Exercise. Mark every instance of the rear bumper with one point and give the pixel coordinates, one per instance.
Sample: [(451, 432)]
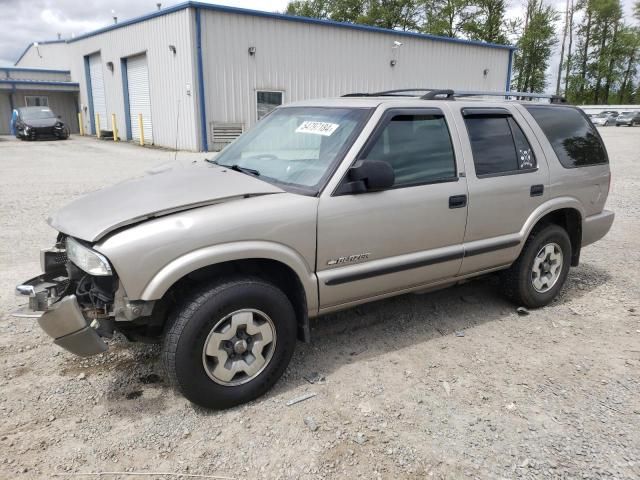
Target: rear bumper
[(596, 226)]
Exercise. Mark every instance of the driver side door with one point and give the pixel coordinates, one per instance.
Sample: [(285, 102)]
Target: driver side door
[(375, 244)]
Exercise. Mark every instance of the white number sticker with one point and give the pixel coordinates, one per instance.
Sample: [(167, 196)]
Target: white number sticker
[(317, 128)]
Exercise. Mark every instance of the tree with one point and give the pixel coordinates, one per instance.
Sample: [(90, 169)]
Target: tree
[(394, 14), (488, 24), (568, 63), (308, 8), (535, 46), (564, 39), (446, 17)]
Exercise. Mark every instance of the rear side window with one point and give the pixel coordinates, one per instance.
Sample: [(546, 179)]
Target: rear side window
[(573, 138), (418, 148), (498, 144)]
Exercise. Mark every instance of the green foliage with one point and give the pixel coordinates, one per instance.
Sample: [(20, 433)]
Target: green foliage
[(605, 68), (535, 45)]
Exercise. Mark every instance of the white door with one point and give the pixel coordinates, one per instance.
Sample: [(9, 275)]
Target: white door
[(97, 91), (139, 98)]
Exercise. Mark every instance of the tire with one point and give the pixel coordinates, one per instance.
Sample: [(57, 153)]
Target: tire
[(197, 324), (518, 280)]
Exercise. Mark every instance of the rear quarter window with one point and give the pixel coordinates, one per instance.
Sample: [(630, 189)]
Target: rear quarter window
[(573, 138)]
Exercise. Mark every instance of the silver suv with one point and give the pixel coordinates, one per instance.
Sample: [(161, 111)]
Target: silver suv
[(323, 205)]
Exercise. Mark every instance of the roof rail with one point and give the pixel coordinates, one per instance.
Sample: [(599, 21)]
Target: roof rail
[(449, 94), (433, 93)]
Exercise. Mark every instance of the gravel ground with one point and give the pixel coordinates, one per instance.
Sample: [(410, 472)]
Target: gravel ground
[(398, 392)]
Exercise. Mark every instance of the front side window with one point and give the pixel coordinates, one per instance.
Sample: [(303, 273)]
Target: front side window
[(298, 146), (573, 138), (267, 101), (418, 148), (498, 144)]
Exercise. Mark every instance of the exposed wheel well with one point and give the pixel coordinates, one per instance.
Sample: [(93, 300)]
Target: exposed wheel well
[(571, 220), (269, 270)]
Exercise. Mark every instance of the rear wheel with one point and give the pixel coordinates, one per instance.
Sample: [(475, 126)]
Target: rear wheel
[(540, 271), (230, 342)]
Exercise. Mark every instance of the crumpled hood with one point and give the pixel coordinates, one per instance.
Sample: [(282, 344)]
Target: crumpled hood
[(93, 216)]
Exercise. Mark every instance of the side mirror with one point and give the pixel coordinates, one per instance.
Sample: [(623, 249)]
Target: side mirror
[(368, 176)]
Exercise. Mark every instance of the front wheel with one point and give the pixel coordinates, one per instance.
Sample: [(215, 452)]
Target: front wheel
[(230, 342), (539, 273)]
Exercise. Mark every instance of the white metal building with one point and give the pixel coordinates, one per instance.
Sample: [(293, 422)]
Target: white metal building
[(200, 74)]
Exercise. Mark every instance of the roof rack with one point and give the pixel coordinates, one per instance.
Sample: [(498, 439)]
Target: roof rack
[(434, 93)]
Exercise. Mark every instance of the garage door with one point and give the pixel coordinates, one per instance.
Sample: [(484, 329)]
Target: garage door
[(139, 98), (97, 91), (5, 114)]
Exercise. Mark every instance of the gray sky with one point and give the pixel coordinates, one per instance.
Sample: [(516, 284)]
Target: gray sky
[(26, 21)]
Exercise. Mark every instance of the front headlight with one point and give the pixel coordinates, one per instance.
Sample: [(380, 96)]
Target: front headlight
[(86, 259)]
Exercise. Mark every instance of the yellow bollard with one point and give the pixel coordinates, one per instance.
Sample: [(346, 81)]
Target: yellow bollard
[(141, 129), (114, 127), (80, 124), (98, 125)]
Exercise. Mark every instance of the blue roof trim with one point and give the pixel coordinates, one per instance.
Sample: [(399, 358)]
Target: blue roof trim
[(282, 16), (37, 70), (40, 82), (45, 42)]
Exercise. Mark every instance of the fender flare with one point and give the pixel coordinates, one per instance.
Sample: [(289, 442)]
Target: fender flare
[(546, 208), (227, 252)]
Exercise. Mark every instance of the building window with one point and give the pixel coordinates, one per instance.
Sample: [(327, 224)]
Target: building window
[(36, 101), (267, 101)]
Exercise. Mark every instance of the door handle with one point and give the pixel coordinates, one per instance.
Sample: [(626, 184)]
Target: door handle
[(537, 190), (458, 201)]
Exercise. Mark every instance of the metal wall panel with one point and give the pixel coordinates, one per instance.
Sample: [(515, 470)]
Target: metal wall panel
[(139, 98), (311, 61), (172, 81), (34, 74), (52, 55), (97, 92)]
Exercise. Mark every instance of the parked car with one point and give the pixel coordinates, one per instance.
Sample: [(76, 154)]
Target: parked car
[(323, 205), (628, 118), (39, 122), (605, 119)]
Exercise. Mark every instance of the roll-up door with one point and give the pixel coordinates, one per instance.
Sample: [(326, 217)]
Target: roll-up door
[(139, 98), (97, 91)]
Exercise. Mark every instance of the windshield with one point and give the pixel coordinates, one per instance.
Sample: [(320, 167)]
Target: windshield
[(36, 113), (602, 115), (296, 145)]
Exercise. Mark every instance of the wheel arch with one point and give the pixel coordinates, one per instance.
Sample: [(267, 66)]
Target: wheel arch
[(566, 212), (272, 262)]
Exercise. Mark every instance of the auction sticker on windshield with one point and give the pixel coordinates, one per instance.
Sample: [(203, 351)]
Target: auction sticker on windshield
[(317, 128)]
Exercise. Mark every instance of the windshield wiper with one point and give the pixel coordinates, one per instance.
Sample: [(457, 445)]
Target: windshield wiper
[(235, 167), (251, 171)]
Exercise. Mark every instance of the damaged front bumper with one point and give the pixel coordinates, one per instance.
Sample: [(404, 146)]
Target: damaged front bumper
[(59, 314)]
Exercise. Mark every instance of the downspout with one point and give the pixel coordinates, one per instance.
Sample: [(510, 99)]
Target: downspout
[(203, 112)]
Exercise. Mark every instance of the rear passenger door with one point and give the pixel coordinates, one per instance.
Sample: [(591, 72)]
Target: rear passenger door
[(507, 177), (375, 243)]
